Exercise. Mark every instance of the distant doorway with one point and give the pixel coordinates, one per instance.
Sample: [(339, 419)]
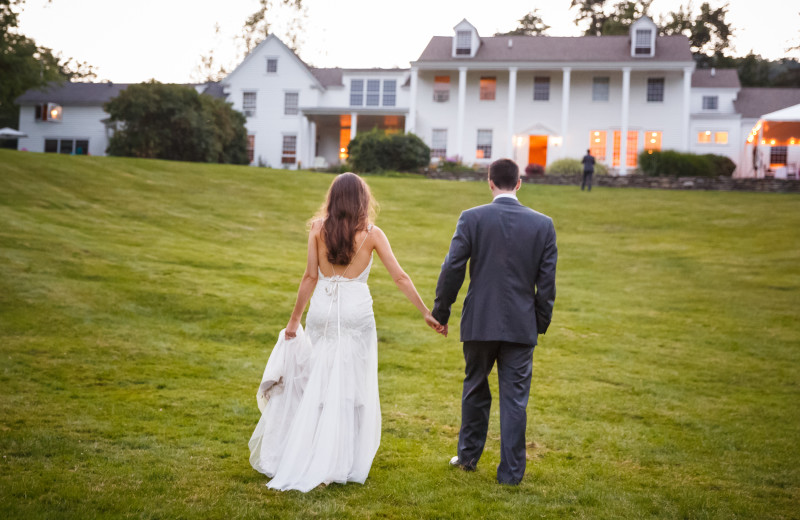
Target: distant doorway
[(537, 150)]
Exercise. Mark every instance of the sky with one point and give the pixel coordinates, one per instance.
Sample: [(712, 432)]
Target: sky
[(129, 41)]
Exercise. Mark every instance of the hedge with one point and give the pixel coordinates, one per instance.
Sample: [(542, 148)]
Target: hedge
[(678, 164)]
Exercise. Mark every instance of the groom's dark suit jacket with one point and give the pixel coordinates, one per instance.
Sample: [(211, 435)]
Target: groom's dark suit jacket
[(512, 255)]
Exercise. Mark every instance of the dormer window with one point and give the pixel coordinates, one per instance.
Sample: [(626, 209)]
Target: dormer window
[(643, 45), (463, 43)]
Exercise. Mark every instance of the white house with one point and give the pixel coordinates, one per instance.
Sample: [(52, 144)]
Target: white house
[(470, 98)]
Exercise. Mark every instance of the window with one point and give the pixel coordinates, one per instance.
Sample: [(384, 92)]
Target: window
[(630, 152), (597, 144), (67, 146), (652, 142), (600, 88), (721, 137), (48, 112), (441, 89), (541, 88), (389, 92), (642, 46), (484, 148), (655, 90), (704, 137), (710, 102), (439, 143), (290, 102), (488, 88), (463, 43), (356, 92), (249, 103), (272, 65), (777, 155), (251, 147), (289, 151), (373, 92)]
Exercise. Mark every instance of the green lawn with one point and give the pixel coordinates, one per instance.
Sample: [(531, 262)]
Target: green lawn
[(139, 301)]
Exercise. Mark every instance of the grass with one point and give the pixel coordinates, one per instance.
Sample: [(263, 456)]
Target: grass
[(139, 301)]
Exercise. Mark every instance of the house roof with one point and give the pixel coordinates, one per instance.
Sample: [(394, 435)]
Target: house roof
[(757, 101), (90, 94), (558, 49), (331, 77), (716, 78)]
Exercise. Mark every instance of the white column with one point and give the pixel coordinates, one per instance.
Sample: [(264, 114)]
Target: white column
[(687, 90), (512, 102), (300, 152), (312, 143), (353, 125), (565, 109), (623, 138), (462, 102), (411, 120)]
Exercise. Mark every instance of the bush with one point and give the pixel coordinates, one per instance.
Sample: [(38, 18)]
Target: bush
[(534, 169), (375, 152), (565, 167), (678, 164)]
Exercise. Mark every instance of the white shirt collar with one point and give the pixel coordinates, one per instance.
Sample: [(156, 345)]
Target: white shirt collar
[(511, 195)]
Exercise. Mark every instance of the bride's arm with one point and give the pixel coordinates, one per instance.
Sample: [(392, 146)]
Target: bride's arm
[(401, 279), (307, 284)]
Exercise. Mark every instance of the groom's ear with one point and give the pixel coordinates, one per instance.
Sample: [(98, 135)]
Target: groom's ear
[(491, 185), (519, 183)]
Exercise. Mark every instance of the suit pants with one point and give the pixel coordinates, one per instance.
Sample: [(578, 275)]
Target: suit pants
[(587, 180), (514, 368)]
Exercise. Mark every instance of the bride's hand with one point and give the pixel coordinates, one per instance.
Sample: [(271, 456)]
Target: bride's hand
[(433, 323), (291, 329)]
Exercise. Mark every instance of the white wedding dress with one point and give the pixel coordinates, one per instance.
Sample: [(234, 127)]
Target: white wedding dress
[(320, 412)]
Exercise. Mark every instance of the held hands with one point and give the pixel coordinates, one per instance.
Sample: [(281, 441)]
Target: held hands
[(434, 324)]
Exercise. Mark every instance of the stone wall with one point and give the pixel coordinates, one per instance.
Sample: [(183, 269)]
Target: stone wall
[(641, 181)]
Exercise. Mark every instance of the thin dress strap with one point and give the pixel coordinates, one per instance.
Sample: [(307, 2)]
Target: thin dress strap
[(369, 228)]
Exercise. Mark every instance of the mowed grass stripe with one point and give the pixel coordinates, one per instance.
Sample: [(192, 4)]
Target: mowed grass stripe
[(139, 301)]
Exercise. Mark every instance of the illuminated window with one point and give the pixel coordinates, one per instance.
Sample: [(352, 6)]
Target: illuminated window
[(441, 89), (356, 92), (631, 151), (652, 142), (439, 143), (488, 88), (721, 137), (272, 65), (655, 90), (642, 46), (600, 88), (597, 144), (344, 136), (251, 147), (289, 150), (541, 88), (710, 102), (463, 43), (389, 92), (484, 148), (290, 102), (704, 137)]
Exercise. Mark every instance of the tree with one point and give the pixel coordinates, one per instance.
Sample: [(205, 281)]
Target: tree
[(591, 11), (259, 24), (162, 121), (605, 23), (25, 65), (529, 25), (708, 32)]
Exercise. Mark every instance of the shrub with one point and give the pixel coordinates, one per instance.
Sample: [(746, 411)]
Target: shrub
[(565, 167), (534, 169), (677, 164), (453, 165), (375, 152)]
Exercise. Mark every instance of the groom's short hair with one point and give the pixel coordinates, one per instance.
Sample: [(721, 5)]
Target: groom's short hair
[(504, 173)]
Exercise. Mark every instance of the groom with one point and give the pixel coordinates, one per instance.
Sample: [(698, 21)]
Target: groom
[(511, 251)]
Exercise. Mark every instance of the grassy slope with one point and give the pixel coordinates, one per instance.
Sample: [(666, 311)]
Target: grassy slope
[(139, 301)]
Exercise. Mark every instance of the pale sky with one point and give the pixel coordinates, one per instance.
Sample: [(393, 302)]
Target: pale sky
[(130, 41)]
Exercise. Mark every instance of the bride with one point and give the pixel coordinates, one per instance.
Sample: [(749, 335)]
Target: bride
[(321, 418)]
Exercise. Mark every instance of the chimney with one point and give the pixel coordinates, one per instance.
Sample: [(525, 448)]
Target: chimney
[(510, 43), (713, 72)]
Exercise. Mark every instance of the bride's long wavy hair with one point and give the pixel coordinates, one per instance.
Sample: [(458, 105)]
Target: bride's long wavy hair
[(348, 209)]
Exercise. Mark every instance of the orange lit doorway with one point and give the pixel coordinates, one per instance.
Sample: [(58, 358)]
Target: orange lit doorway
[(537, 150)]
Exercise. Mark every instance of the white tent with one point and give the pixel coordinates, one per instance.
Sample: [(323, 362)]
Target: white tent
[(10, 133), (773, 134)]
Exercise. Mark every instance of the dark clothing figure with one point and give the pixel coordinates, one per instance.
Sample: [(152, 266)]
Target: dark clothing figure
[(511, 252), (588, 171)]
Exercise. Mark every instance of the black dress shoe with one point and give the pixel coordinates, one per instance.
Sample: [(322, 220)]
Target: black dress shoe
[(458, 464)]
